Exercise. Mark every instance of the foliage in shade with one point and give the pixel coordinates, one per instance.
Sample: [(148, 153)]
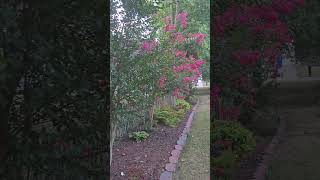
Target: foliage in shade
[(248, 38), (52, 99)]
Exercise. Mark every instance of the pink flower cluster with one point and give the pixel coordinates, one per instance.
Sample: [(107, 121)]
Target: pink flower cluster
[(246, 57), (180, 54), (199, 37), (161, 81), (187, 80), (192, 68), (169, 28), (179, 37), (176, 92), (258, 18), (270, 54), (189, 67), (182, 19), (267, 34), (148, 46)]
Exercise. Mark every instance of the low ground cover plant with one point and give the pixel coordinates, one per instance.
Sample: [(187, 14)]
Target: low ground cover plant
[(182, 104), (139, 136), (168, 116)]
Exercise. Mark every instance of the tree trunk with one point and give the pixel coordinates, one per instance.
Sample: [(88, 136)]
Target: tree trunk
[(177, 7), (151, 113), (112, 137)]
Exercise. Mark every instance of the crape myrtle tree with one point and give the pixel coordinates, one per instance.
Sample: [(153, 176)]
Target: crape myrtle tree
[(52, 105), (248, 37), (198, 22), (149, 60)]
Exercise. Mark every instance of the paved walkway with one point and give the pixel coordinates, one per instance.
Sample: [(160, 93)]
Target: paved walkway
[(194, 163), (298, 157)]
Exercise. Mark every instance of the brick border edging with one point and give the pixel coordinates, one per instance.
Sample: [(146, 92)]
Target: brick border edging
[(261, 170), (175, 153)]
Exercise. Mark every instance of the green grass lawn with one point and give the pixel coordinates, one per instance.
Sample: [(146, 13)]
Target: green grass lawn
[(194, 163)]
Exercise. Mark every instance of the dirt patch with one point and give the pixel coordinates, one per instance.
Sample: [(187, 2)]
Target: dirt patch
[(145, 160)]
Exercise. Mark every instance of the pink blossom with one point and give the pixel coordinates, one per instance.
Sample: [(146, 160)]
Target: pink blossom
[(169, 28), (242, 19), (179, 37), (180, 97), (180, 54), (145, 45), (175, 92), (161, 81), (247, 57), (148, 45), (179, 68), (199, 63), (186, 80), (199, 37), (182, 19)]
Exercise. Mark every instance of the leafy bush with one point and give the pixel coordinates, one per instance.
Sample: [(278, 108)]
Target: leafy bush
[(242, 139), (230, 142), (139, 136), (168, 116), (182, 104)]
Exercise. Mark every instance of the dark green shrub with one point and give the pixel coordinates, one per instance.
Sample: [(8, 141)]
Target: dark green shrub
[(242, 139), (139, 136), (168, 116)]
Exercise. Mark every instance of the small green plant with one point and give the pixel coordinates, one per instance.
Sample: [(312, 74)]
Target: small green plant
[(182, 104), (139, 136), (168, 116)]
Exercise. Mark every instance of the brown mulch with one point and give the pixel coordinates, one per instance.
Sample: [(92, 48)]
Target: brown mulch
[(145, 160)]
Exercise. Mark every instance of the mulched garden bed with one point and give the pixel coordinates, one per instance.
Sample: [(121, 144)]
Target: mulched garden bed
[(247, 166), (145, 160)]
